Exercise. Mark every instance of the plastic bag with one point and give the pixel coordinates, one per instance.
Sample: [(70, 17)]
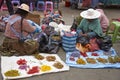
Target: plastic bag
[(48, 44), (105, 43)]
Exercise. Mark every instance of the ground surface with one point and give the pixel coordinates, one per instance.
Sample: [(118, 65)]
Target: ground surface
[(75, 73)]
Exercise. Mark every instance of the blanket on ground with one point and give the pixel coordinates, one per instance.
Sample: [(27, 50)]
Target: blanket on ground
[(15, 67), (96, 59)]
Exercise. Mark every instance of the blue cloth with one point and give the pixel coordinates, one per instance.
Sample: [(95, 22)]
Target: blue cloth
[(94, 3), (38, 28), (88, 65), (36, 31)]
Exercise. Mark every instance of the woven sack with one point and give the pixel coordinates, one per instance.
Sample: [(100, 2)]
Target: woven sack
[(69, 43)]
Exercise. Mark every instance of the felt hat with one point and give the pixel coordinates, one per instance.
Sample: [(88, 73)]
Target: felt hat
[(24, 7), (90, 14)]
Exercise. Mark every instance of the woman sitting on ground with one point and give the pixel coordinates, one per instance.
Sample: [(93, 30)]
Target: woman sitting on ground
[(90, 24), (18, 29)]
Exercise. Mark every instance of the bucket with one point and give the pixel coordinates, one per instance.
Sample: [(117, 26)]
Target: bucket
[(67, 3)]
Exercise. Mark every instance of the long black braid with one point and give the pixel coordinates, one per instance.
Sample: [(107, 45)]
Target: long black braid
[(23, 14)]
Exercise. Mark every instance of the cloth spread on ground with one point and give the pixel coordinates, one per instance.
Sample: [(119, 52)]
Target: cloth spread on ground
[(15, 67), (96, 59)]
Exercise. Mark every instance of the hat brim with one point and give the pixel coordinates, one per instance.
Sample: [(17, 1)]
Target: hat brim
[(24, 7), (24, 10), (84, 15)]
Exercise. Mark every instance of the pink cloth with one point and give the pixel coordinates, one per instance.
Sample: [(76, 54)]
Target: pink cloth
[(104, 21), (26, 28)]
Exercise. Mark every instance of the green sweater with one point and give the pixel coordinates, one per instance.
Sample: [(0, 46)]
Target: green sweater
[(91, 28)]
